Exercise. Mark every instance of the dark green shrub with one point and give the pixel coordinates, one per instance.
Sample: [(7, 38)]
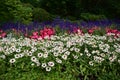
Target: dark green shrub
[(40, 14), (93, 17), (72, 18), (19, 11)]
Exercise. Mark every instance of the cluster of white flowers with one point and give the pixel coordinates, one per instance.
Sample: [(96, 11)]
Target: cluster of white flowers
[(59, 49)]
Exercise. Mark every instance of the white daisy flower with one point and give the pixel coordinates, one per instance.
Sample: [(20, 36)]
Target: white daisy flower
[(13, 49), (93, 52), (88, 54), (51, 64), (77, 50), (75, 57), (26, 51), (119, 61), (33, 58), (55, 54), (43, 49), (67, 53), (47, 45), (10, 51), (3, 56), (21, 44), (16, 56), (58, 60), (94, 46), (60, 51), (86, 50), (44, 65), (48, 68), (71, 49), (32, 50), (102, 55), (29, 54), (18, 50), (40, 55), (12, 60), (111, 59), (45, 55), (38, 64), (21, 55), (64, 57), (6, 53), (91, 63)]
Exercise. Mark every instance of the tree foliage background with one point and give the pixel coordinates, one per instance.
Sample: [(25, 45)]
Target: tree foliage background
[(29, 10)]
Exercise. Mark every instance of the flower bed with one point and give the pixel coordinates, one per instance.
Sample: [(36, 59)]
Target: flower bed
[(78, 55)]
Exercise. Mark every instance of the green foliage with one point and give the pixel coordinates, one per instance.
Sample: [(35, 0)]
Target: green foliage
[(93, 17), (40, 14), (21, 10), (72, 18), (35, 3), (14, 10), (60, 7), (109, 8), (4, 12), (20, 13)]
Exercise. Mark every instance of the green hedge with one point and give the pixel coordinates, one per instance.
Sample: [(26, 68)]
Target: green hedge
[(93, 17), (40, 14)]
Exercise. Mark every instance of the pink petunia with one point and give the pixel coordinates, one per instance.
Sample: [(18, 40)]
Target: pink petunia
[(90, 31), (3, 34), (35, 33)]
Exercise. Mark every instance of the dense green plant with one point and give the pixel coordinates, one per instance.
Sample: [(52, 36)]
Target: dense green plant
[(17, 11), (91, 17), (4, 12), (76, 7), (40, 14), (20, 13)]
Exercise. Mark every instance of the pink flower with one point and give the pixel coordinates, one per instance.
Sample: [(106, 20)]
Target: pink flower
[(114, 31), (108, 33), (26, 35), (46, 37), (3, 34), (45, 29), (44, 34), (1, 31), (78, 31), (50, 32), (35, 33), (90, 31), (41, 32), (40, 38), (75, 30), (34, 37)]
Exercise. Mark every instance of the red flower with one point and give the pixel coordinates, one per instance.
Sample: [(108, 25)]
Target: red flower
[(114, 31), (3, 34), (78, 31), (90, 31), (26, 35), (35, 33), (44, 34), (1, 31)]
